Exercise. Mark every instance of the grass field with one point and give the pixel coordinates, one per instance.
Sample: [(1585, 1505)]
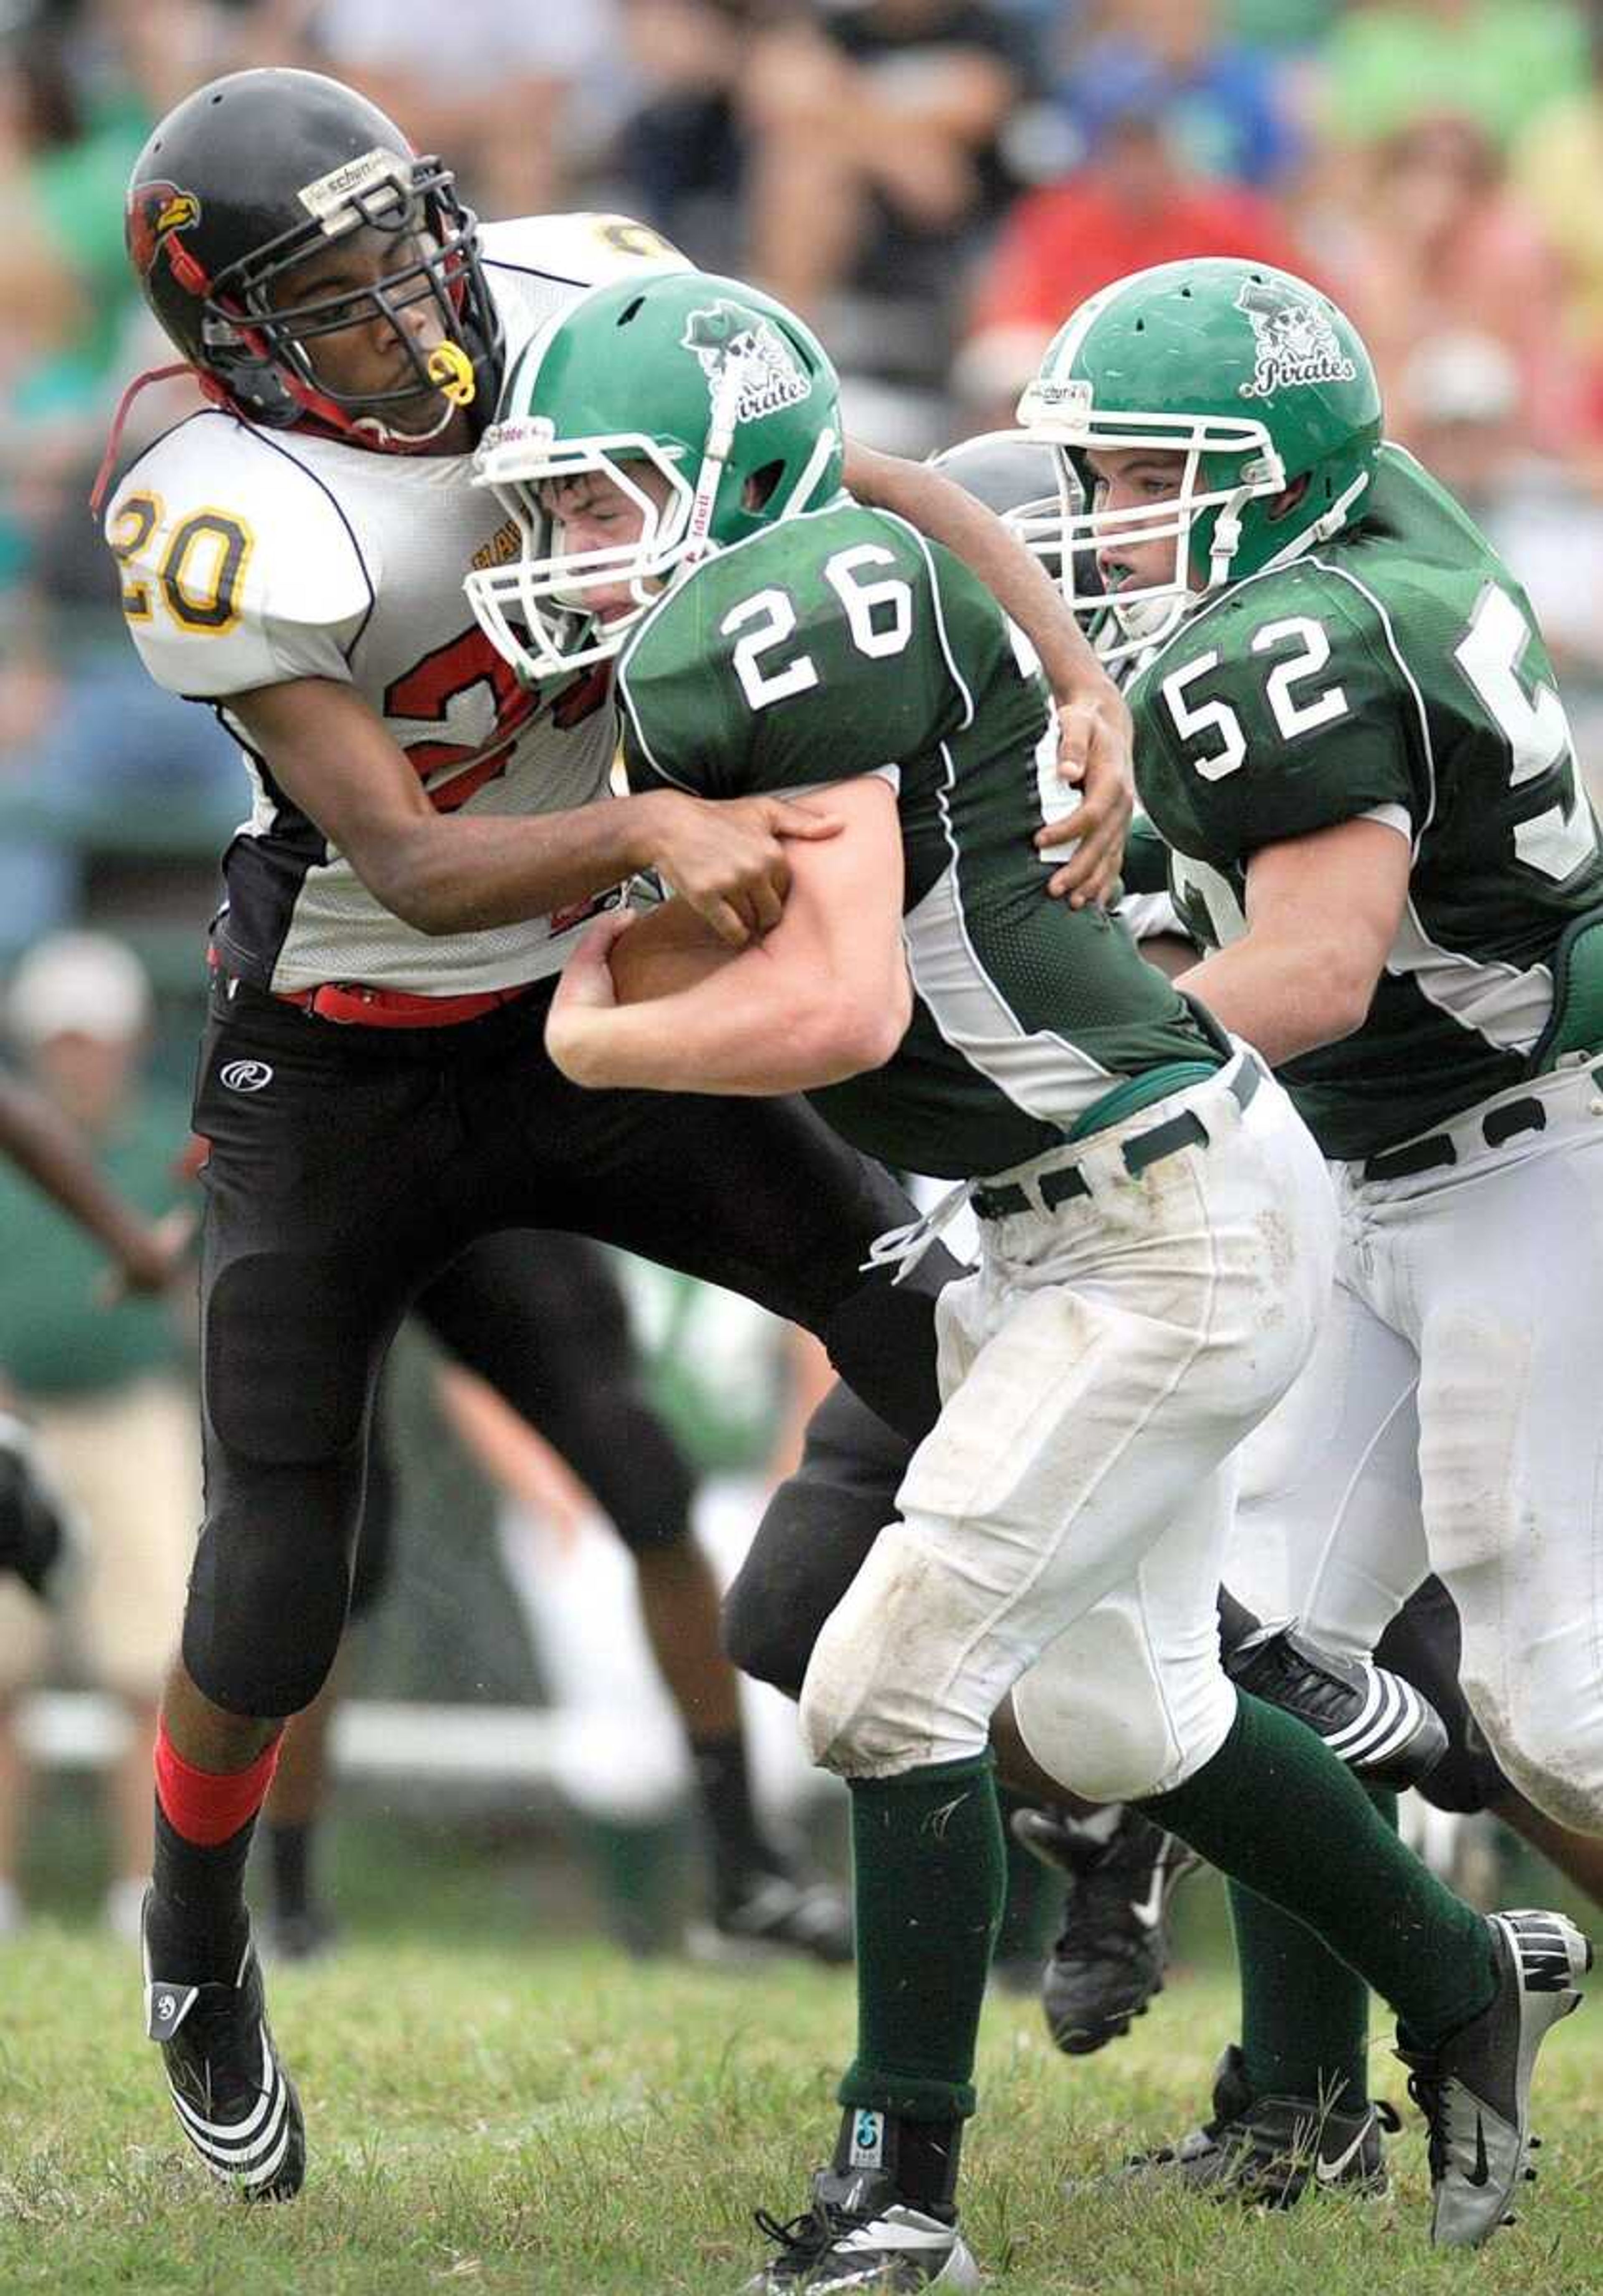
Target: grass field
[(495, 2115)]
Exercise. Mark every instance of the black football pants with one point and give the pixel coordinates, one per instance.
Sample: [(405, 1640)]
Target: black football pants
[(350, 1167)]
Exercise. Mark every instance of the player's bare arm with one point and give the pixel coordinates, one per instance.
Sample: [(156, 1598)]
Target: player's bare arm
[(1093, 723), (455, 873), (1322, 912), (41, 1141), (824, 995)]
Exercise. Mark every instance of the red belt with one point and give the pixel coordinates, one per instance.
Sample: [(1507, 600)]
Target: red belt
[(355, 1006), (351, 1006)]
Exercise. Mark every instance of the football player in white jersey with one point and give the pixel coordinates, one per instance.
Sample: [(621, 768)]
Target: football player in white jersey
[(424, 835)]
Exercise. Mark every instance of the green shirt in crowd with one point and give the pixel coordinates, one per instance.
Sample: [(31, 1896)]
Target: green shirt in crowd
[(57, 1338)]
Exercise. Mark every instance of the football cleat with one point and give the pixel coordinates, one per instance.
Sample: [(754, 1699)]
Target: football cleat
[(1380, 1725), (770, 1914), (1110, 1958), (1266, 2150), (859, 2232), (1475, 2088), (234, 2101)]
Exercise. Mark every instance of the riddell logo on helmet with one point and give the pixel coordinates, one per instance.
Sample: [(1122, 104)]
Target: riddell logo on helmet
[(1295, 342), (772, 377), (1047, 395), (154, 209)]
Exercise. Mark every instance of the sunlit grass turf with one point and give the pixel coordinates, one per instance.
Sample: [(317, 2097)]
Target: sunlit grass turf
[(553, 2119)]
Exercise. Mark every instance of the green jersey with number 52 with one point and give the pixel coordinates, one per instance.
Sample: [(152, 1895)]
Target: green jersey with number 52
[(1394, 673), (841, 644)]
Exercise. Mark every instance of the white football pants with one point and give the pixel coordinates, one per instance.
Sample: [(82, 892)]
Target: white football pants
[(1450, 1421), (1097, 1372)]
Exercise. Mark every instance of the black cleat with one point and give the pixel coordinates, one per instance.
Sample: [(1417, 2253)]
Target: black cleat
[(859, 2232), (771, 1914), (234, 2101), (1475, 2089), (1266, 2150), (1381, 1728), (1109, 1959)]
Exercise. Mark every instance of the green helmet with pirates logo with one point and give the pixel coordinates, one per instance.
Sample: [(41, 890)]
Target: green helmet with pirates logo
[(1259, 386), (688, 412)]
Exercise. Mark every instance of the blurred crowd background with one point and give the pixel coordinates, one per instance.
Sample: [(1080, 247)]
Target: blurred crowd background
[(936, 183)]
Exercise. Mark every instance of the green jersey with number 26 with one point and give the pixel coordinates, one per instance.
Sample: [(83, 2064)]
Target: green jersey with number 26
[(1396, 673), (841, 644)]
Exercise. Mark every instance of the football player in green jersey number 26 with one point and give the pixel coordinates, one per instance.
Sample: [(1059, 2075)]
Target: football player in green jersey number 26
[(1348, 734), (1157, 1228)]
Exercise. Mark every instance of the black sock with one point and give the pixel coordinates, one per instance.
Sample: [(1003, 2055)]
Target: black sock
[(197, 1925), (1236, 1621), (289, 1860), (919, 2157), (734, 1836)]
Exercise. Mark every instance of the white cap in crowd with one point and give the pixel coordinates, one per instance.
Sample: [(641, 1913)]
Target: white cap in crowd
[(82, 984), (1462, 375)]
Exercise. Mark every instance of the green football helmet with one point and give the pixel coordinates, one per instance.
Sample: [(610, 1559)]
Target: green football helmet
[(1252, 376), (712, 410)]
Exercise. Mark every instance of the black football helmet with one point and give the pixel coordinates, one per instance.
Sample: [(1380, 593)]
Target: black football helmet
[(247, 177)]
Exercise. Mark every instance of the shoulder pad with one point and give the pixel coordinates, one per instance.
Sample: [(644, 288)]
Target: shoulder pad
[(582, 250), (238, 566), (1277, 710)]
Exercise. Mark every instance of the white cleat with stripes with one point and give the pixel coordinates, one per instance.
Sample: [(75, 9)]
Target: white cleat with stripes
[(234, 2101)]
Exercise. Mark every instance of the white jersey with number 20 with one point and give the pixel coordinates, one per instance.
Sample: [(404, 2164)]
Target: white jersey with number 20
[(249, 557)]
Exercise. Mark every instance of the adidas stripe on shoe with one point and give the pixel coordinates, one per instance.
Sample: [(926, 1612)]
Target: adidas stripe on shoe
[(1373, 1720), (234, 2101)]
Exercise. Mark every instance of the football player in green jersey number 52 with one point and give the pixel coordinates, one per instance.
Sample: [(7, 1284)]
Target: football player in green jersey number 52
[(1157, 1228), (1348, 734)]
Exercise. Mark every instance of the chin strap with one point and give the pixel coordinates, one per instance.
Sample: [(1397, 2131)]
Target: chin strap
[(400, 442), (107, 461), (319, 411), (1336, 517), (1227, 536), (720, 442)]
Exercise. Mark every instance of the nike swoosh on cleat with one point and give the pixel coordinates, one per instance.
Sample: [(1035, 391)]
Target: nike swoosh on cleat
[(1148, 1910), (1481, 2174), (1330, 2172)]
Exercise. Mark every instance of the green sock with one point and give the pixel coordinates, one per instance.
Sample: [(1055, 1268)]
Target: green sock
[(1275, 1809), (928, 1873), (1304, 2014)]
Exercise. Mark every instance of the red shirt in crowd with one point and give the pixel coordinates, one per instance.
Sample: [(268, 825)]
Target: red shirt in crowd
[(1061, 244)]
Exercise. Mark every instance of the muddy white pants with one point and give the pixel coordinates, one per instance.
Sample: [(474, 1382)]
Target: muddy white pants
[(1064, 1520), (1450, 1421)]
